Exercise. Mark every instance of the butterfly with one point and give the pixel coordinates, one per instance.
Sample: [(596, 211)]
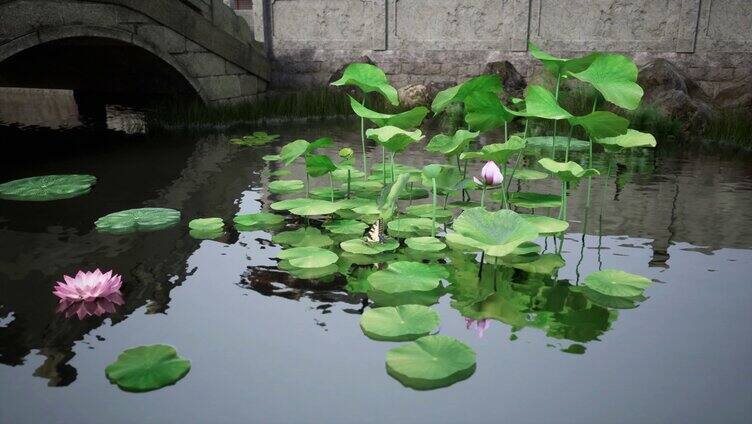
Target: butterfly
[(376, 233)]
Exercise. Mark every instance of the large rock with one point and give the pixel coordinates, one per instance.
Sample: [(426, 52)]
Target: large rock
[(513, 82), (413, 95), (737, 95), (676, 95)]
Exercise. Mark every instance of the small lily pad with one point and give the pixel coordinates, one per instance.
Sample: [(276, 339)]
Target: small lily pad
[(426, 211), (145, 368), (143, 219), (425, 244), (261, 220), (534, 200), (617, 283), (47, 187), (308, 257), (359, 246), (258, 138), (303, 237), (404, 276), (399, 323), (286, 186), (529, 174), (410, 226), (431, 362), (206, 224)]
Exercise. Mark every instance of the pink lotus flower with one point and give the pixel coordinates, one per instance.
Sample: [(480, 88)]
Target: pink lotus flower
[(87, 286), (96, 307), (481, 325), (490, 175)]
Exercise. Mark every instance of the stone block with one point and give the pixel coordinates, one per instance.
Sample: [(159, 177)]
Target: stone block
[(719, 74), (201, 64), (220, 87), (162, 37), (248, 85)]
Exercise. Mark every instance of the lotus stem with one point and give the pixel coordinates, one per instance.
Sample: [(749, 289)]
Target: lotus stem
[(411, 194), (556, 121), (433, 217), (383, 164), (482, 259), (307, 185), (363, 142), (392, 159), (524, 134), (569, 140), (516, 164), (506, 134), (331, 186), (496, 266), (504, 202), (348, 183), (482, 196)]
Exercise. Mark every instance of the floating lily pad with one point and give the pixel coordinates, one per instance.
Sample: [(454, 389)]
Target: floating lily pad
[(206, 224), (529, 174), (308, 273), (47, 187), (345, 226), (308, 257), (399, 323), (534, 200), (617, 283), (206, 234), (325, 193), (359, 246), (405, 276), (303, 237), (425, 244), (541, 264), (286, 186), (306, 207), (258, 138), (496, 233), (426, 211), (410, 226), (431, 362), (145, 368), (261, 220), (143, 219), (546, 225)]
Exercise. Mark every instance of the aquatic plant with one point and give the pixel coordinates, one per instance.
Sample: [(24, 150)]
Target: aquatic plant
[(47, 187), (258, 138), (431, 362), (87, 286), (146, 368), (142, 219), (490, 176)]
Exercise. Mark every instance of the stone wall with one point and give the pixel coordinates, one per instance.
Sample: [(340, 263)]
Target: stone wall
[(423, 41)]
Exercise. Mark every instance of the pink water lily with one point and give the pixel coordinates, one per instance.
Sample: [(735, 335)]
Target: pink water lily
[(481, 325), (96, 307), (87, 286), (490, 175)]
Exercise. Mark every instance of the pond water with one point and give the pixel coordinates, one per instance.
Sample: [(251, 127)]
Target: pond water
[(266, 347)]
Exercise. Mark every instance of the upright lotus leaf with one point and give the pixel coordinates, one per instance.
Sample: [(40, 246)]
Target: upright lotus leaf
[(399, 323), (258, 138), (47, 187), (260, 220), (431, 362), (545, 142), (566, 171), (484, 111), (145, 368), (497, 152), (541, 103), (403, 276), (405, 120), (546, 225), (388, 201), (285, 186), (345, 226), (601, 124), (458, 93), (559, 66), (447, 177), (451, 145), (631, 139), (496, 233), (615, 77), (617, 283), (394, 139), (206, 224), (318, 144), (308, 257), (303, 237), (292, 151), (143, 219), (319, 165), (369, 79)]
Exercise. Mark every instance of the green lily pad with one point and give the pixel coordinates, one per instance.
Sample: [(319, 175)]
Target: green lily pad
[(206, 234), (143, 219), (425, 244), (533, 200), (544, 142), (308, 273), (431, 362), (341, 174), (308, 257), (306, 207), (617, 283), (546, 225), (286, 186), (47, 187), (631, 139), (206, 224), (365, 186), (394, 139), (399, 323), (542, 264), (529, 174), (496, 233), (359, 246), (303, 237), (319, 165), (325, 193), (569, 171), (409, 226), (541, 103), (451, 145), (404, 276), (413, 193), (345, 226), (145, 368), (258, 138), (368, 78), (426, 211), (560, 66), (260, 220), (425, 298)]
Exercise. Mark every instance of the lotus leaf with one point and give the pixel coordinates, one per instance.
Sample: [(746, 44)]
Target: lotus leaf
[(402, 276), (303, 237), (632, 138), (258, 138), (431, 362), (559, 66), (451, 146), (425, 244), (368, 78), (497, 152), (260, 220), (394, 139), (319, 165), (409, 226), (361, 247), (286, 186), (614, 76), (601, 124), (496, 233), (308, 257), (617, 283), (458, 93), (569, 171), (206, 224), (345, 226), (542, 142), (529, 174), (484, 111), (399, 323), (47, 187), (143, 219), (405, 120), (145, 368), (546, 225)]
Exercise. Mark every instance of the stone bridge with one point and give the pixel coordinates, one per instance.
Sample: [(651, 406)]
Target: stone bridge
[(181, 47)]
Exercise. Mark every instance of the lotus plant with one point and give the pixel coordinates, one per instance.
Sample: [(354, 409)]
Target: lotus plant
[(481, 325), (89, 293), (490, 176)]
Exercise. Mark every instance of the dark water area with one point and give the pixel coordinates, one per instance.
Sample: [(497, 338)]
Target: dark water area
[(266, 347)]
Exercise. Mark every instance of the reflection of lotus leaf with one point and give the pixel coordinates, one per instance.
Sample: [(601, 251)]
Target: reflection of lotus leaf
[(532, 200), (496, 233), (145, 368), (143, 219), (544, 142), (431, 362), (399, 323), (47, 187)]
